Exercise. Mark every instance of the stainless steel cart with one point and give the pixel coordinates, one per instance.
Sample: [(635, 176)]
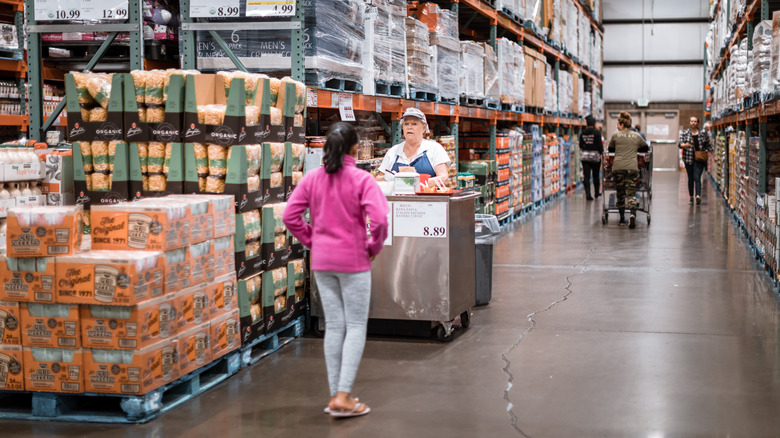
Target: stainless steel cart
[(644, 186)]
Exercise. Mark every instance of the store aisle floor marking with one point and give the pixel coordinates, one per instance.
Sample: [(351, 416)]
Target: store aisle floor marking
[(530, 316)]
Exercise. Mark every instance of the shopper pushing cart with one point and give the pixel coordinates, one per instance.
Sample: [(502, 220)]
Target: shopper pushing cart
[(624, 175)]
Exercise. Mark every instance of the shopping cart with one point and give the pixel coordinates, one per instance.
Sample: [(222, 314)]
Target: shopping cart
[(644, 185)]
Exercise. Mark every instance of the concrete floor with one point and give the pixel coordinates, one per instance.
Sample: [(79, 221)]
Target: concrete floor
[(663, 331)]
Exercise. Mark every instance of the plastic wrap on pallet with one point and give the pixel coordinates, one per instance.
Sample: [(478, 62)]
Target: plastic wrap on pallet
[(492, 89), (581, 97), (519, 73), (447, 73), (472, 63), (551, 91), (389, 34), (510, 88), (762, 59), (419, 57)]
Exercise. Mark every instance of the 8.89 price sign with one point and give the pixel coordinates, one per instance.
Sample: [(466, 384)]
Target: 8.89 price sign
[(420, 219)]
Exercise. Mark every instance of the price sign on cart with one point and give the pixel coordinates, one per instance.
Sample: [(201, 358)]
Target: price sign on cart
[(103, 9), (420, 219), (57, 10), (270, 8), (214, 8)]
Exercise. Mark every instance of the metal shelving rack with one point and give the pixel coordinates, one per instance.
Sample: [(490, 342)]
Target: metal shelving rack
[(16, 68), (133, 25)]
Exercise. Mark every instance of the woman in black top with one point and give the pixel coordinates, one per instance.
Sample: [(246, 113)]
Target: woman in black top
[(592, 148)]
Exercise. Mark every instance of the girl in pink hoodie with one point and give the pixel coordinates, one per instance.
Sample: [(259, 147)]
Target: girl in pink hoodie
[(341, 198)]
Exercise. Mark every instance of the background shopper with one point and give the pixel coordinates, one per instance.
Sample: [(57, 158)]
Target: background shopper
[(625, 144), (340, 197), (592, 149), (691, 141)]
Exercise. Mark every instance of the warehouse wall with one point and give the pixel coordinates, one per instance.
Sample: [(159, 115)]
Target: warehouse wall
[(660, 60)]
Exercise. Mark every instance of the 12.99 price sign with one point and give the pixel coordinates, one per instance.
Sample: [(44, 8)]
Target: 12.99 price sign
[(214, 8), (69, 10)]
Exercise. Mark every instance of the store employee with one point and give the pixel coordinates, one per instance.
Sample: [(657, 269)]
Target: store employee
[(427, 156)]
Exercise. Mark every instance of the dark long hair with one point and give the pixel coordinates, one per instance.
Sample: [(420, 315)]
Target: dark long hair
[(341, 137)]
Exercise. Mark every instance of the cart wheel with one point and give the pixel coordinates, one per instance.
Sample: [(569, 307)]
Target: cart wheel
[(465, 319), (441, 334), (648, 220)]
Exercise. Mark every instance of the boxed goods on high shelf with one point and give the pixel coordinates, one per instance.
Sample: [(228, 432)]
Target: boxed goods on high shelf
[(535, 71), (492, 87), (419, 58), (551, 103), (472, 61), (511, 72), (761, 80), (334, 35), (443, 38), (387, 62)]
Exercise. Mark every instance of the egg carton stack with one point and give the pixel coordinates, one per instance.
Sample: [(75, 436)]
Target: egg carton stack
[(153, 300), (21, 172)]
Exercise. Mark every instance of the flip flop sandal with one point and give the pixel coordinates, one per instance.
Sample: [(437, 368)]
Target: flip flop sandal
[(327, 408), (353, 413)]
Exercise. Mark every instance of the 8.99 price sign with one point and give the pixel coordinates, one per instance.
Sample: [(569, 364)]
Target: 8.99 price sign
[(214, 8), (420, 219)]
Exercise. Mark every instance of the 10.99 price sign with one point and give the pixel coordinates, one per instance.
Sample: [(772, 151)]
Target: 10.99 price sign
[(420, 219), (69, 10)]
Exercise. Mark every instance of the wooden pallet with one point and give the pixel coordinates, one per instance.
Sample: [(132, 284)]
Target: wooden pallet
[(269, 343)]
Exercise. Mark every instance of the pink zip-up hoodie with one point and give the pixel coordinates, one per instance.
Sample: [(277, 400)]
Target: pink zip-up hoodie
[(338, 204)]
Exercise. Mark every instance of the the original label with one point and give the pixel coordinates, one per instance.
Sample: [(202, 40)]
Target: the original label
[(420, 219), (345, 107), (214, 8), (270, 8)]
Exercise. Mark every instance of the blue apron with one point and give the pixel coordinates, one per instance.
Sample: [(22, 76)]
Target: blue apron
[(421, 164)]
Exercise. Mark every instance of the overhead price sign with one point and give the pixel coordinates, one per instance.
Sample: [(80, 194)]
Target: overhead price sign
[(270, 8), (214, 8)]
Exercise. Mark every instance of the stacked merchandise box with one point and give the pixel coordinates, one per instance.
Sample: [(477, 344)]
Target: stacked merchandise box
[(761, 80), (21, 172), (334, 36), (537, 169), (742, 187), (720, 159), (535, 66), (753, 190), (443, 36), (450, 145), (516, 179), (528, 160), (387, 44), (492, 86), (474, 159), (504, 175), (419, 58), (551, 103), (510, 71), (731, 175), (472, 61), (552, 168), (563, 169)]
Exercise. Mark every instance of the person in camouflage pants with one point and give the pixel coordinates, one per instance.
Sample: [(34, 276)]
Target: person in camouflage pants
[(625, 184)]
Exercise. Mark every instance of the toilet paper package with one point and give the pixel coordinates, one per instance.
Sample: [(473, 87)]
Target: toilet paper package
[(110, 277), (50, 325), (43, 231), (11, 368), (131, 371), (224, 333), (194, 348), (130, 327), (10, 334), (29, 279), (53, 369)]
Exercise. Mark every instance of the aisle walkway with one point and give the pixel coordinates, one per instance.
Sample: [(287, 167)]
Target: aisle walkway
[(666, 331)]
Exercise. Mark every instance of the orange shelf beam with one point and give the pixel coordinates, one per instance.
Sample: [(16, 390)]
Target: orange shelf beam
[(19, 68), (14, 120)]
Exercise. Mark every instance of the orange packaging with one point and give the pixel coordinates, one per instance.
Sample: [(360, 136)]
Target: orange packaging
[(9, 323), (27, 279), (223, 295), (150, 224), (11, 368), (224, 215), (129, 327), (43, 231), (225, 336), (224, 256), (178, 270), (202, 262), (202, 215), (50, 325), (194, 306), (121, 278), (194, 349), (131, 371), (53, 369)]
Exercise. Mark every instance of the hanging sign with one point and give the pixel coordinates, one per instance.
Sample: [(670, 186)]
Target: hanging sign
[(214, 8), (103, 10), (345, 107), (420, 219), (270, 8)]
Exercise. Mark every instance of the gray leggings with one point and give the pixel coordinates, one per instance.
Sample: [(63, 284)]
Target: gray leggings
[(345, 298)]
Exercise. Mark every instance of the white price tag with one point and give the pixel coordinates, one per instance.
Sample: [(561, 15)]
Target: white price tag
[(103, 10), (345, 107), (420, 219), (379, 105), (311, 98), (334, 100), (214, 8), (57, 10), (436, 108), (270, 8)]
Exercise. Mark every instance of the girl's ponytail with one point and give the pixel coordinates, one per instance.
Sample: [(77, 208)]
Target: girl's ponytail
[(341, 138)]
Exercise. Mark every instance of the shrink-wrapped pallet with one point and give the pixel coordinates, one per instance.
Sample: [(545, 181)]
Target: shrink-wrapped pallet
[(388, 41), (472, 56), (492, 89), (419, 57)]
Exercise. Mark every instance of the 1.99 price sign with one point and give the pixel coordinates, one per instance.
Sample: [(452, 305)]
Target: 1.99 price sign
[(420, 219), (214, 8), (270, 8)]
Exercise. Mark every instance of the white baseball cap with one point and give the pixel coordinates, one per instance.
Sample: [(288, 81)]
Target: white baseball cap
[(414, 112)]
